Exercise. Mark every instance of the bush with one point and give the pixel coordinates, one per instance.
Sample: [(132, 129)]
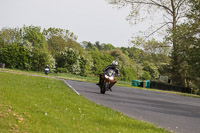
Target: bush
[(72, 61), (15, 56), (198, 93), (146, 76), (62, 70), (151, 69), (84, 66), (128, 74)]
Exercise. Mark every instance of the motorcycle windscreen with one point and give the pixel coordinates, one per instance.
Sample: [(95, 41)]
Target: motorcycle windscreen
[(110, 72)]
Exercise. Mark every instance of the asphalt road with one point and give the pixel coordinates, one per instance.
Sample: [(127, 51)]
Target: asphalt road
[(175, 113)]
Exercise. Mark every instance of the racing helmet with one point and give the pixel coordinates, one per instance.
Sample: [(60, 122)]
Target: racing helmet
[(114, 63)]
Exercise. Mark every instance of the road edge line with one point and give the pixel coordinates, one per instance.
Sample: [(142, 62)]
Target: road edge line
[(71, 87)]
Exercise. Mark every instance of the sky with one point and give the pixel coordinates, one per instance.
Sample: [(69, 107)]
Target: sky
[(90, 20)]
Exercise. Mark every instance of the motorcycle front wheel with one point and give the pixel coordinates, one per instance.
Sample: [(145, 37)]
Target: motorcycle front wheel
[(104, 87)]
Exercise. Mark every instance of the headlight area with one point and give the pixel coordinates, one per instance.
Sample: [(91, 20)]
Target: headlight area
[(111, 78), (106, 77)]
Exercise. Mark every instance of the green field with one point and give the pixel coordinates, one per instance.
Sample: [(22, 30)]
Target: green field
[(39, 104)]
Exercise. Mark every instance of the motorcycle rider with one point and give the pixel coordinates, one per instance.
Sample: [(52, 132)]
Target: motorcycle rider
[(47, 69), (47, 66), (113, 66)]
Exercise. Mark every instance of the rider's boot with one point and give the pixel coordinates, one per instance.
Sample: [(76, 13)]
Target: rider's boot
[(99, 80), (110, 89), (111, 85)]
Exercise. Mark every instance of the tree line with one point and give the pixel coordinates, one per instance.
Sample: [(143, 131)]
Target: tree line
[(31, 48)]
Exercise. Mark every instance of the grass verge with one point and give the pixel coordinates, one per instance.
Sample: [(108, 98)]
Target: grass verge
[(38, 104)]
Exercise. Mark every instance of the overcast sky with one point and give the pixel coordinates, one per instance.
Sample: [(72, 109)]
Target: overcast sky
[(90, 20)]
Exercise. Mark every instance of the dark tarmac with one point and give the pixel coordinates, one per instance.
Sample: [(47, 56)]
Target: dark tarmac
[(173, 112)]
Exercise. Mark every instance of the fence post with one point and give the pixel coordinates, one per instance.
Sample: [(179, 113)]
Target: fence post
[(143, 83)]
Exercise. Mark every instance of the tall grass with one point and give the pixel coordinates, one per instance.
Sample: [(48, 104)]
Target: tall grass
[(38, 104)]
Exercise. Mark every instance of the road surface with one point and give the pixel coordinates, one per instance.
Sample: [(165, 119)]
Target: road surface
[(173, 112)]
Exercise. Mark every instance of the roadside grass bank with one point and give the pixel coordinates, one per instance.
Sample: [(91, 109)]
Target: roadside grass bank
[(91, 79), (39, 104)]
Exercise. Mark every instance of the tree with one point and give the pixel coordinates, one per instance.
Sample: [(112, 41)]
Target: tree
[(58, 39), (98, 45), (151, 69), (15, 56), (39, 59), (193, 32), (188, 40), (34, 39), (89, 46), (100, 61), (118, 55), (146, 76), (56, 44), (172, 10), (66, 34), (24, 48), (84, 66), (128, 73), (107, 47), (10, 36), (33, 35), (69, 58)]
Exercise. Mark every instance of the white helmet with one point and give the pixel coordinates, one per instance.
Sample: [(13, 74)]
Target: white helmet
[(115, 63)]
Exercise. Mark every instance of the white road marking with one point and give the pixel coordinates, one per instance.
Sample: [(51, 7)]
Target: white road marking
[(71, 87)]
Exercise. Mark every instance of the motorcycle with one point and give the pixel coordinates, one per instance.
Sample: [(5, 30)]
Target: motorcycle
[(107, 79), (46, 71)]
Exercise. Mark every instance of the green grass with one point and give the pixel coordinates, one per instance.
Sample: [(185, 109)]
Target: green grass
[(38, 104)]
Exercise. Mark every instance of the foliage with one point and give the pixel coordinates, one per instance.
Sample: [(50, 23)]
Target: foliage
[(118, 55), (128, 74), (56, 44), (151, 69), (100, 61), (10, 36), (58, 39), (193, 38), (25, 48), (58, 48), (84, 66), (97, 46), (39, 59), (15, 56), (61, 70), (151, 58), (89, 46), (68, 58), (188, 41), (146, 76), (33, 35), (107, 47)]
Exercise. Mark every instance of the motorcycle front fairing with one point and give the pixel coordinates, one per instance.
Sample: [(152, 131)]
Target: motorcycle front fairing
[(109, 75)]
